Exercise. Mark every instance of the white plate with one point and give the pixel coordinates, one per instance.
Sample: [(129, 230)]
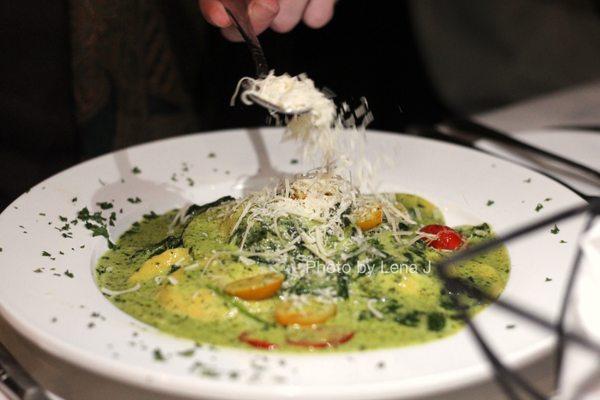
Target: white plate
[(581, 146), (55, 311), (589, 282)]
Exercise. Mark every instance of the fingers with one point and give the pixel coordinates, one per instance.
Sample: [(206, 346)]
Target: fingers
[(214, 13), (281, 15), (318, 13), (290, 14), (261, 13)]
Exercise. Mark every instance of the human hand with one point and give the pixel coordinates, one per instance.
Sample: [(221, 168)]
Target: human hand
[(280, 15)]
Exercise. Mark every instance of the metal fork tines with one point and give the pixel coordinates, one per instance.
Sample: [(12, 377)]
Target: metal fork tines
[(15, 382), (238, 12)]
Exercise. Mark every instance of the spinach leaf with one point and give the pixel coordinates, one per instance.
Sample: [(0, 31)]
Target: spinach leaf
[(412, 318), (342, 284), (172, 242), (436, 321), (196, 209)]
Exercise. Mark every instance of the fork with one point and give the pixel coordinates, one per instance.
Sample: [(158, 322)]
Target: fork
[(238, 11), (465, 125), (15, 382), (433, 132)]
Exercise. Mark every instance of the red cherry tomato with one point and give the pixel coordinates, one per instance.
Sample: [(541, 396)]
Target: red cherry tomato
[(255, 342), (319, 337), (447, 238)]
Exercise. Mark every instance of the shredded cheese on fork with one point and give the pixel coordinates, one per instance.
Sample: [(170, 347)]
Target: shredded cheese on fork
[(319, 131), (290, 93)]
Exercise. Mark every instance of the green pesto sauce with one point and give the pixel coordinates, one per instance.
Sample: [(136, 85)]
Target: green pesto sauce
[(412, 304)]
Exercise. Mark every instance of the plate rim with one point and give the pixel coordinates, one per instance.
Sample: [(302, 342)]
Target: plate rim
[(138, 375)]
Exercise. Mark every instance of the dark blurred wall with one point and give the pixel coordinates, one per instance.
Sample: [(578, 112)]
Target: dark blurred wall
[(81, 77), (37, 129), (484, 54), (365, 51), (368, 49)]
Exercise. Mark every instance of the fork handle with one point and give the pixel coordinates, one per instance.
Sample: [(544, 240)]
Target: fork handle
[(238, 11), (472, 127)]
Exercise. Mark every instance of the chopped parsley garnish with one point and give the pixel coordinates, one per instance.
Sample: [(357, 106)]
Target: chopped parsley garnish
[(96, 223), (134, 200), (187, 353), (151, 215), (294, 161), (190, 181), (538, 207), (490, 202), (563, 241), (74, 200), (136, 170), (69, 274), (548, 279), (105, 205), (158, 355), (211, 155), (46, 254), (38, 270), (510, 326), (528, 180), (234, 375), (97, 230), (554, 230), (204, 370)]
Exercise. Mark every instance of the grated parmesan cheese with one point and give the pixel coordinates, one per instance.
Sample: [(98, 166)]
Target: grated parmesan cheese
[(319, 131)]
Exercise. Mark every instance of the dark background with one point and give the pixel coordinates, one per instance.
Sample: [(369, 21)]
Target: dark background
[(369, 49), (364, 51)]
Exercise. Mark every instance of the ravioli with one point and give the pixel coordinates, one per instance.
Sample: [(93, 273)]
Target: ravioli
[(304, 268)]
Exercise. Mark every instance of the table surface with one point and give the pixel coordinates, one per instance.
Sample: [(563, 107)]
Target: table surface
[(578, 105)]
